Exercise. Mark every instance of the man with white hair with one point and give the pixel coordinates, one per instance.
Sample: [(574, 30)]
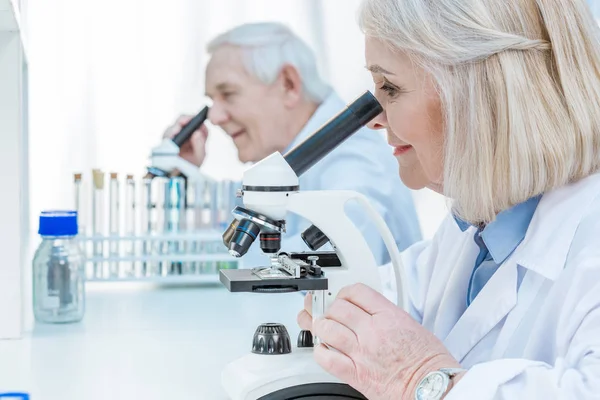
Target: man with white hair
[(268, 96)]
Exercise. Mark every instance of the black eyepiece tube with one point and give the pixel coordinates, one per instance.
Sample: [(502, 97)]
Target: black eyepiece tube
[(356, 115), (190, 127)]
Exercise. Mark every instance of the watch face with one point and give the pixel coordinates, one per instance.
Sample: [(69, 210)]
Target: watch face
[(433, 386)]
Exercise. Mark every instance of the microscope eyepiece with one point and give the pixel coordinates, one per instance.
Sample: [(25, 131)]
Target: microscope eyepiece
[(189, 128), (347, 122), (238, 238), (245, 234)]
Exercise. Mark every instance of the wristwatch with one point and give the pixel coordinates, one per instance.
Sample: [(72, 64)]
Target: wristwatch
[(436, 383)]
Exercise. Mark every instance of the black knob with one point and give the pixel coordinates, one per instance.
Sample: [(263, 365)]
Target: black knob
[(271, 339), (314, 238), (305, 339)]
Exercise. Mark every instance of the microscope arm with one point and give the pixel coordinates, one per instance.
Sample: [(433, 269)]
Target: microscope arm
[(326, 210)]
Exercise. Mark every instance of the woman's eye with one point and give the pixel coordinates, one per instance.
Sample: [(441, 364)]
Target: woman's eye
[(390, 90)]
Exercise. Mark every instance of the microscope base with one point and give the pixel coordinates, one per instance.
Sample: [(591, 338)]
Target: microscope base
[(282, 377)]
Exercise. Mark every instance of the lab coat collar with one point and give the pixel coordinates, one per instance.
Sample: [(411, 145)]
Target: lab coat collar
[(507, 231), (546, 245), (331, 105)]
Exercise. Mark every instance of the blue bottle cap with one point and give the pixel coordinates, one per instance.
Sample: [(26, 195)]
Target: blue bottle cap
[(58, 223)]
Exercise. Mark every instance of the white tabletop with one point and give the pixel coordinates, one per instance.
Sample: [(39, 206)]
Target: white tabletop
[(149, 344)]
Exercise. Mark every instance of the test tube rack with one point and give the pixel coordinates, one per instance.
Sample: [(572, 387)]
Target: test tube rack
[(160, 229), (168, 257)]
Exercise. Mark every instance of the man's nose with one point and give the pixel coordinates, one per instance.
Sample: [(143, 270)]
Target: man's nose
[(217, 114)]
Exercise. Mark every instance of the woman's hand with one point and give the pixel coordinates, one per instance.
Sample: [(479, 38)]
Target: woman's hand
[(373, 345)]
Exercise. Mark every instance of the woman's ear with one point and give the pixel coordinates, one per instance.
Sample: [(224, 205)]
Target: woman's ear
[(291, 85)]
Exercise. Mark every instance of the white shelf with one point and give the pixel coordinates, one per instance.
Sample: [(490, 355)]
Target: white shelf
[(13, 160)]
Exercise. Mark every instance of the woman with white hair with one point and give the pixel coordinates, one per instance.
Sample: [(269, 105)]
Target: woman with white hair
[(496, 105)]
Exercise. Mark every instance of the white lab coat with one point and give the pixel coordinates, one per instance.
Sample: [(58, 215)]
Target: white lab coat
[(363, 163), (533, 332)]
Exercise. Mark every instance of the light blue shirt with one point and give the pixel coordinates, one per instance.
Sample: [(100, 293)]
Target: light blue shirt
[(497, 241), (363, 163)]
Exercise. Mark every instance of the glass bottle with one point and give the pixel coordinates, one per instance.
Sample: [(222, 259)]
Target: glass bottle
[(58, 270)]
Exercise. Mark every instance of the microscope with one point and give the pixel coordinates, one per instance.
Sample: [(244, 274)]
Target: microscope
[(276, 370), (164, 158)]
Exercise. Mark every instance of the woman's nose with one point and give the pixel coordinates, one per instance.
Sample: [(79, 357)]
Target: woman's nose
[(379, 122)]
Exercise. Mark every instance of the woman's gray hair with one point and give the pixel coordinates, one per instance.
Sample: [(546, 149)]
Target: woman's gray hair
[(519, 81), (267, 48)]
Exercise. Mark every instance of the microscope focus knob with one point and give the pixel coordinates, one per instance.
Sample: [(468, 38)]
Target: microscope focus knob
[(271, 339), (314, 238), (305, 339)]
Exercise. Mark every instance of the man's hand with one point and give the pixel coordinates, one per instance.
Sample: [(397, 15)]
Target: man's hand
[(193, 150)]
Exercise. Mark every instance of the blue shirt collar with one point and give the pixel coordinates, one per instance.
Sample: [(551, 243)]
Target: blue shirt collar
[(507, 231)]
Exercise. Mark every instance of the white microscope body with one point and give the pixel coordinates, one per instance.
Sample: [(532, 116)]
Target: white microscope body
[(164, 158), (270, 189)]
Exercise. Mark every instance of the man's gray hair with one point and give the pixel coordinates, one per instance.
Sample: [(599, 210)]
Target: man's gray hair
[(267, 47)]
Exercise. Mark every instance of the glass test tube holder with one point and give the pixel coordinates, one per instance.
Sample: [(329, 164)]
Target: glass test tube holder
[(179, 235)]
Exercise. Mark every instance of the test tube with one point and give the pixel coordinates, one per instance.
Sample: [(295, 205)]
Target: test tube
[(221, 202), (113, 217), (174, 219), (80, 203), (213, 207), (146, 223), (160, 189), (130, 210), (193, 205), (204, 219), (220, 222), (80, 207), (98, 220)]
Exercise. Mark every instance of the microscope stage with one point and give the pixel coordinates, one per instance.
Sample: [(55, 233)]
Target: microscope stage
[(243, 280)]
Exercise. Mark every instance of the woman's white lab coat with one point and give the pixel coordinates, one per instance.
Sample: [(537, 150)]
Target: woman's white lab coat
[(533, 332)]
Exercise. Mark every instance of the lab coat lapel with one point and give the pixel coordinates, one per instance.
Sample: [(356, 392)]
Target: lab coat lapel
[(448, 308), (490, 307), (530, 287)]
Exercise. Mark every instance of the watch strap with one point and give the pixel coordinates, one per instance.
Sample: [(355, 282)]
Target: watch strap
[(452, 372)]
